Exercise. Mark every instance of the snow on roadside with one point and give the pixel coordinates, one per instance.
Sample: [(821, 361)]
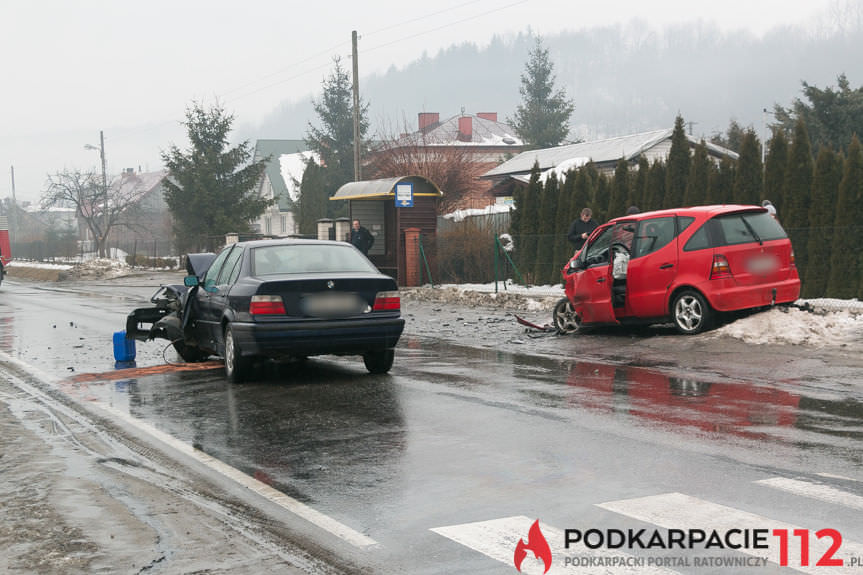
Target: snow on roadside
[(98, 268), (796, 326), (816, 322), (821, 322)]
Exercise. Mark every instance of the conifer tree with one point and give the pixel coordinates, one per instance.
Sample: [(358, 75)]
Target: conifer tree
[(748, 177), (775, 165), (845, 265), (593, 177), (515, 215), (713, 184), (333, 141), (638, 190), (677, 168), (619, 190), (542, 118), (722, 186), (798, 187), (529, 224), (599, 205), (562, 247), (581, 193), (699, 173), (211, 189), (825, 184), (313, 202), (655, 192), (546, 232)]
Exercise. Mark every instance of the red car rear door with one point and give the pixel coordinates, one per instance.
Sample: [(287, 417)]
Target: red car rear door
[(652, 267)]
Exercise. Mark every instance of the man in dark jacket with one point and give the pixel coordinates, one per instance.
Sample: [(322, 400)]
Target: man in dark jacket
[(361, 238), (579, 230)]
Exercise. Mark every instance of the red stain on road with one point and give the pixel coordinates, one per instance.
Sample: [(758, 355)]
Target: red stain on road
[(144, 371)]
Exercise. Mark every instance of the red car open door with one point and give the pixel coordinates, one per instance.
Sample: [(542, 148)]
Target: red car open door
[(592, 284)]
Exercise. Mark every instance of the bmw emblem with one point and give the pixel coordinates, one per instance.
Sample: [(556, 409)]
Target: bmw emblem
[(331, 284)]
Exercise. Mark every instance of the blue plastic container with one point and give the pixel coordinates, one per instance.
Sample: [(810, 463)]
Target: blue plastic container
[(124, 349)]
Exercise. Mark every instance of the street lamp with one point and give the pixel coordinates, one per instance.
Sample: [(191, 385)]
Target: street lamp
[(101, 149), (764, 112)]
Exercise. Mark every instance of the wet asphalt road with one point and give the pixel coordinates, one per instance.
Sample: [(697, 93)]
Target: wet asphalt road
[(542, 427)]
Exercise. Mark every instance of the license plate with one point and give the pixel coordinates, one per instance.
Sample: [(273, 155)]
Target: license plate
[(332, 304), (763, 265)]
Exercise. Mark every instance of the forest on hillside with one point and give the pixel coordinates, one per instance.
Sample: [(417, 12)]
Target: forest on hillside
[(623, 79)]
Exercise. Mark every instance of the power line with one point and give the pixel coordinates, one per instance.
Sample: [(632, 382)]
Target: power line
[(441, 27), (328, 51)]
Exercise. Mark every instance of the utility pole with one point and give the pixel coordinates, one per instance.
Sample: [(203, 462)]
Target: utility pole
[(105, 189), (14, 211), (101, 149), (357, 171)]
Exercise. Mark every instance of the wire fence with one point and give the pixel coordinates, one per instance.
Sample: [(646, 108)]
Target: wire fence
[(133, 252), (470, 253)]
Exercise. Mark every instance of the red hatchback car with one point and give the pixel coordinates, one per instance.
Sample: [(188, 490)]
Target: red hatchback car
[(682, 264)]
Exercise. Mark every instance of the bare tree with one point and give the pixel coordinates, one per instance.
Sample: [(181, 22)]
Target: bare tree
[(100, 211), (453, 168)]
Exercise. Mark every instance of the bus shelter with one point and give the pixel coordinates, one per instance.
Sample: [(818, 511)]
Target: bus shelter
[(401, 214)]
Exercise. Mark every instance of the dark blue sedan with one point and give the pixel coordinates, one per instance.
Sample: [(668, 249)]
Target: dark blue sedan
[(283, 299)]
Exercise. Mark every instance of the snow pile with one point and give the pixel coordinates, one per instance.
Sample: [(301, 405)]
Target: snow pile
[(817, 322), (459, 215), (99, 268), (789, 325), (459, 296), (39, 265)]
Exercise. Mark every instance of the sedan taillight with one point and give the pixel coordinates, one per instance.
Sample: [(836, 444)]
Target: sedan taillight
[(387, 301), (266, 305), (720, 268)]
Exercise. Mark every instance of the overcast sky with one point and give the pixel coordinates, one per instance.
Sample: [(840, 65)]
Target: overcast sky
[(74, 67)]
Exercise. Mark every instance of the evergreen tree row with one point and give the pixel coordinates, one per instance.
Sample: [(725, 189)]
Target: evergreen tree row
[(819, 199)]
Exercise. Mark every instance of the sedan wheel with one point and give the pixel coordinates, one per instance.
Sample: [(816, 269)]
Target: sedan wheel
[(379, 361), (236, 366), (691, 313), (564, 317)]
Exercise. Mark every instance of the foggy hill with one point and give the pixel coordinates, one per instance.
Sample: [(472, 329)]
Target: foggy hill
[(623, 79)]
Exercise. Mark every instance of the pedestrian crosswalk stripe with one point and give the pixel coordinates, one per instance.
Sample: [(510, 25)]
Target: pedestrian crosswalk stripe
[(680, 511), (815, 491), (498, 539), (834, 476)]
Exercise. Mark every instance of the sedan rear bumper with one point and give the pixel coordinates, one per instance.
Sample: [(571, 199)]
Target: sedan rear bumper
[(304, 338)]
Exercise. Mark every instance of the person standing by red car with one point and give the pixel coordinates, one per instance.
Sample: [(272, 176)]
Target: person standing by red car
[(580, 229)]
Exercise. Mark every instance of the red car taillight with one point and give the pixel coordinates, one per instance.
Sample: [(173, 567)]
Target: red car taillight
[(387, 301), (266, 305), (793, 261), (720, 268)]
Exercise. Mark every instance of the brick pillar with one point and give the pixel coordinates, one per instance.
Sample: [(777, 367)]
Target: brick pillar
[(412, 257)]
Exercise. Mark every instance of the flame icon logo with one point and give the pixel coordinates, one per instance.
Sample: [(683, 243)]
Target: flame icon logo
[(535, 542)]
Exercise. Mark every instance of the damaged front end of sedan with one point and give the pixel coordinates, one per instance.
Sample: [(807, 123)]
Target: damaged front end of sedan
[(168, 316)]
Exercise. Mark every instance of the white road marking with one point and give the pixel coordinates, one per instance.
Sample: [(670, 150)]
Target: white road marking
[(834, 476), (498, 539), (814, 491), (317, 518), (679, 511)]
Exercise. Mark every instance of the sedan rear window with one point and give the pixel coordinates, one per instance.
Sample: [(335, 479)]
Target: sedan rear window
[(308, 258)]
